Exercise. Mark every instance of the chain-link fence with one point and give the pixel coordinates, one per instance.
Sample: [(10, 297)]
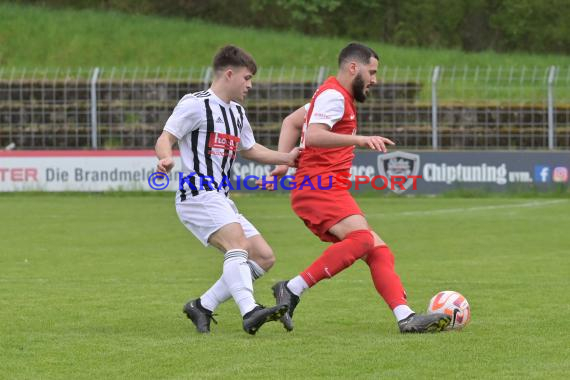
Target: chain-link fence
[(420, 108)]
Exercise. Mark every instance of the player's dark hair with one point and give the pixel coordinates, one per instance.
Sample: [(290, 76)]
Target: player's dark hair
[(231, 55), (359, 52)]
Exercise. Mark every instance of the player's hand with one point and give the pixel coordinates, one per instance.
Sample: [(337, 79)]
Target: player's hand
[(165, 165), (375, 143), (275, 174), (279, 171), (268, 183), (293, 157)]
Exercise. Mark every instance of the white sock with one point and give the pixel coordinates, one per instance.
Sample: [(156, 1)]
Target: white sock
[(297, 285), (237, 277), (219, 292), (216, 295), (402, 312)]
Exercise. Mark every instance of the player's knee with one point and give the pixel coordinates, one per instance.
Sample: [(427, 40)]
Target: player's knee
[(364, 239)]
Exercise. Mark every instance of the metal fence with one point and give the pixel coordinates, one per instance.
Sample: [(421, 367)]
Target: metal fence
[(420, 108)]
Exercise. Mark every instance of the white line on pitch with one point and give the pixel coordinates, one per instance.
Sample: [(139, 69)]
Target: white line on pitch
[(479, 208), (444, 211)]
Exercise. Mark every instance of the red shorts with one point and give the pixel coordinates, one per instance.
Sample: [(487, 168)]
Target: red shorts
[(322, 209)]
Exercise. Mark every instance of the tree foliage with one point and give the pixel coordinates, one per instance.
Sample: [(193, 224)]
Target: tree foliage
[(472, 25)]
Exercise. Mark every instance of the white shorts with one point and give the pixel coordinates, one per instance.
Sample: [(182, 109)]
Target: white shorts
[(209, 211)]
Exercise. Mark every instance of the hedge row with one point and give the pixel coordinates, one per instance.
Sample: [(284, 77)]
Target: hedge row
[(472, 25)]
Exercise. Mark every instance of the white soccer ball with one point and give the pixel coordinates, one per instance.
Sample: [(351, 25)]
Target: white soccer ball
[(453, 304)]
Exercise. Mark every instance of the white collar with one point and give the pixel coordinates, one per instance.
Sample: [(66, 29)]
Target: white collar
[(217, 98)]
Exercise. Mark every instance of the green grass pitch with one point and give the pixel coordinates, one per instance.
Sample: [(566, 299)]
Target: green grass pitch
[(92, 286)]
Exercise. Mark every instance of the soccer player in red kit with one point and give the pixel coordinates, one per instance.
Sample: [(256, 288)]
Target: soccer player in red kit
[(328, 138)]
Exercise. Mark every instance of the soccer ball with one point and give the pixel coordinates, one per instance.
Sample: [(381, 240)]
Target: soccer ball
[(453, 304)]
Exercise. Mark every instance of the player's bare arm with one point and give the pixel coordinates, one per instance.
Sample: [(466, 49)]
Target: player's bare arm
[(263, 155), (291, 129), (320, 136), (163, 150)]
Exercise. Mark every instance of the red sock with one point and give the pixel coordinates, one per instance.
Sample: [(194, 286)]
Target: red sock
[(381, 262), (339, 256)]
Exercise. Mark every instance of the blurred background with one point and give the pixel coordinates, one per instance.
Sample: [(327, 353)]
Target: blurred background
[(454, 75)]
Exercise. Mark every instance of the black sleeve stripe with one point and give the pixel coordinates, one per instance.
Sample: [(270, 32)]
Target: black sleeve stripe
[(240, 124), (225, 174), (195, 135), (207, 155), (236, 133)]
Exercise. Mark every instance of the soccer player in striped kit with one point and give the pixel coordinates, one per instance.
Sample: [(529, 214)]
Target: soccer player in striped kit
[(210, 128), (327, 128)]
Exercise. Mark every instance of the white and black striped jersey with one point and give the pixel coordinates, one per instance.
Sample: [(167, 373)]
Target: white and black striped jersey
[(209, 133)]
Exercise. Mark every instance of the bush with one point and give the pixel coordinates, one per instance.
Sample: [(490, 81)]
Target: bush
[(472, 25)]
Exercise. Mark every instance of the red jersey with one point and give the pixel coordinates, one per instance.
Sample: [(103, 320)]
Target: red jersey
[(334, 106)]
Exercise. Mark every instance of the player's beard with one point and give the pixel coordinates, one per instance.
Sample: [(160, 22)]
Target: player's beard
[(358, 88)]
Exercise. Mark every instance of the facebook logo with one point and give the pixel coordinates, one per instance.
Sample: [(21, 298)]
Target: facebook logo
[(542, 173)]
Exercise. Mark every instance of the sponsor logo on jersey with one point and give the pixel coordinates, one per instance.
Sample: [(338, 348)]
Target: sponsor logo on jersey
[(223, 141)]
